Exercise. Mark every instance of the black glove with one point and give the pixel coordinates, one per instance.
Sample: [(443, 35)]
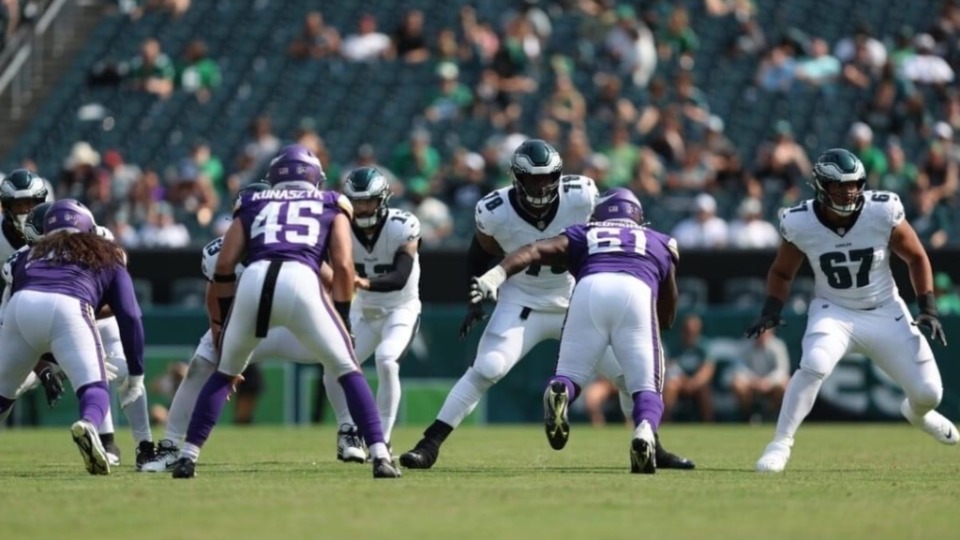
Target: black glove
[(475, 314), (769, 318), (929, 318), (52, 386)]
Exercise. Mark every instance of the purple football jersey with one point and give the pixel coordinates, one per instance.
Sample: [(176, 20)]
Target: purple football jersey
[(619, 247), (288, 225), (112, 287)]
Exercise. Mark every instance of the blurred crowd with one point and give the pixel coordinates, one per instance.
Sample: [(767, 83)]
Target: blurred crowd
[(621, 102), (14, 14)]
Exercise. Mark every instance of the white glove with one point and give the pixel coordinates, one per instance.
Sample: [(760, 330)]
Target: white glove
[(112, 371), (130, 390), (485, 287)]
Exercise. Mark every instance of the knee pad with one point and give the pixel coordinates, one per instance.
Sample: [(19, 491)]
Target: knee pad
[(491, 366)]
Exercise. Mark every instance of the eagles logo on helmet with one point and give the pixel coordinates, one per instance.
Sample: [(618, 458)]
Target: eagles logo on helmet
[(835, 170), (368, 191)]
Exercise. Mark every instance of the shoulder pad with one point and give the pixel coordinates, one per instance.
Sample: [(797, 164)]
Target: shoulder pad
[(403, 225), (888, 207), (581, 189), (491, 211), (673, 249), (790, 217), (344, 204), (104, 232), (208, 262)]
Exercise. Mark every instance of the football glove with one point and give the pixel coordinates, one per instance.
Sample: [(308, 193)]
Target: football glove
[(932, 324), (111, 370), (131, 389), (52, 386), (485, 287), (475, 314), (769, 318)]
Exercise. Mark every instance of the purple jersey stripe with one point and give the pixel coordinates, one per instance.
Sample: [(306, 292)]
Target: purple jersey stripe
[(88, 317)]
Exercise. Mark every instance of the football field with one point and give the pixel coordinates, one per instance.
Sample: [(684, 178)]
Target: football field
[(845, 481)]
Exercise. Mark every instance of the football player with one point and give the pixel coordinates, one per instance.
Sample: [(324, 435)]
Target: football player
[(284, 234), (56, 286), (116, 365), (626, 277), (849, 235), (279, 343), (531, 305), (386, 313)]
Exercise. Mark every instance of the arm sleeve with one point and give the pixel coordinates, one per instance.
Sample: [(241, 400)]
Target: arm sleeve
[(395, 280), (478, 260), (123, 301)]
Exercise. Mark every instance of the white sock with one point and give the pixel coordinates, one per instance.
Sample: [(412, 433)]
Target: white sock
[(797, 403), (338, 400), (190, 451), (107, 425), (388, 394), (139, 419), (178, 418), (463, 398), (379, 451)]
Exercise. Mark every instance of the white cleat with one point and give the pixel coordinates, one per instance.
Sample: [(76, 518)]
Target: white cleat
[(166, 455), (774, 459), (643, 450), (350, 445), (933, 423), (88, 442)]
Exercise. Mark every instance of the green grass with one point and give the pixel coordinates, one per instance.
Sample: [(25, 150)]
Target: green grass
[(845, 481)]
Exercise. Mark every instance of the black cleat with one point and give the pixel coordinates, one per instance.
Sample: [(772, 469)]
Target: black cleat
[(185, 468), (555, 403), (146, 453), (385, 468), (423, 455), (669, 460)]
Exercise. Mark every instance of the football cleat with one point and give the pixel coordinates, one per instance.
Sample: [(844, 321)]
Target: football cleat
[(555, 403), (113, 451), (88, 442), (774, 459), (184, 467), (669, 460), (164, 457), (385, 468), (350, 445), (146, 452), (423, 455), (933, 423), (643, 453)]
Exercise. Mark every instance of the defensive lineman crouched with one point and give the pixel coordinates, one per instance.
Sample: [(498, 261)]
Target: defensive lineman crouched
[(386, 313), (625, 276), (848, 235)]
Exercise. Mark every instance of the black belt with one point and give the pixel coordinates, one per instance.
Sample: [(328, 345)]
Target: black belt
[(266, 299), (524, 313)]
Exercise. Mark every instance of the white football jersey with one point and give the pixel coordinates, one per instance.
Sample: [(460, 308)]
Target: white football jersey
[(6, 247), (500, 215), (851, 267), (211, 252), (373, 257)]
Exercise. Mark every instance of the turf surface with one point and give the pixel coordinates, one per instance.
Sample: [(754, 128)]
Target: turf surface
[(845, 481)]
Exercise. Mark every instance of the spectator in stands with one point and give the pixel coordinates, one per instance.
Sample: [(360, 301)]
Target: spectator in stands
[(938, 173), (598, 168), (678, 41), (416, 157), (152, 71), (763, 372), (453, 99), (820, 68), (122, 175), (367, 44), (861, 144), (610, 105), (703, 229), (667, 138), (144, 196), (175, 7), (782, 165), (577, 151), (623, 157), (901, 175), (948, 298), (873, 50), (409, 41), (751, 231), (777, 70), (630, 45), (200, 74), (512, 61), (210, 168), (689, 373), (694, 174), (9, 19), (926, 67), (596, 395), (549, 130), (943, 134), (467, 184), (191, 192), (80, 171), (259, 149), (864, 62), (883, 112), (929, 218), (436, 222), (162, 231), (566, 104), (479, 36), (316, 40)]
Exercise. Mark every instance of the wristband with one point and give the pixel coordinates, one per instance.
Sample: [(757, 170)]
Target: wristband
[(928, 304), (772, 306)]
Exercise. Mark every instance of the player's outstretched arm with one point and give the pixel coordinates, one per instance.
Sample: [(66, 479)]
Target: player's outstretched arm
[(341, 261), (397, 279), (551, 251), (905, 243), (779, 278), (224, 273)]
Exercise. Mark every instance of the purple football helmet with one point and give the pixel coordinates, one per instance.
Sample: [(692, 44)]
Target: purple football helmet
[(618, 203), (295, 163), (68, 215)]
